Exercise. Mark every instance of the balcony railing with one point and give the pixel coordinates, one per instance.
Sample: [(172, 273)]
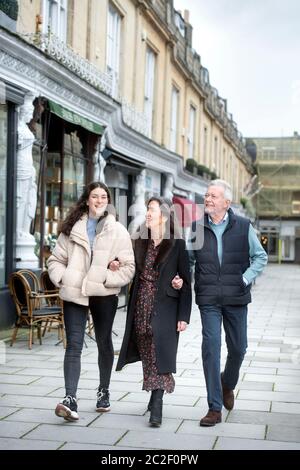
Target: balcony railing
[(64, 54), (135, 119)]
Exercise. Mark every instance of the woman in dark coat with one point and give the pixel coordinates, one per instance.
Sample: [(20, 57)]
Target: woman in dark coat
[(157, 311)]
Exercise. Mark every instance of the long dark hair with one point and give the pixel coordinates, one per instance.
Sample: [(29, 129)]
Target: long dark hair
[(81, 207), (165, 205)]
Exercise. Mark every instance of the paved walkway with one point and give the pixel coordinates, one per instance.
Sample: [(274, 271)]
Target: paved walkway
[(266, 413)]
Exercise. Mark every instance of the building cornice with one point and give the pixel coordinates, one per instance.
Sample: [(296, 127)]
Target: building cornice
[(26, 66)]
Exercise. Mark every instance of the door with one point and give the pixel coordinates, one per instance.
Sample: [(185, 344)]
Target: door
[(297, 250)]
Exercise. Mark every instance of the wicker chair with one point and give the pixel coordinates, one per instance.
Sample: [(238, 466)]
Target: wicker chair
[(31, 305), (49, 288)]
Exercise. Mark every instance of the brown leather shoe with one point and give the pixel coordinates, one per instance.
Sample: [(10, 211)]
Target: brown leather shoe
[(212, 418), (228, 396)]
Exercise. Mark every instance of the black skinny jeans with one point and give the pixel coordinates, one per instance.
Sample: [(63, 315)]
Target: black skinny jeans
[(103, 310)]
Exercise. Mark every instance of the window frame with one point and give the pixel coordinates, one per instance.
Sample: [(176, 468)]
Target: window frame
[(11, 165), (60, 29), (149, 90), (192, 129), (205, 144), (174, 118), (113, 46)]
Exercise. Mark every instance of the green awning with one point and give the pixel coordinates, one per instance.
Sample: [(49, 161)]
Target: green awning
[(75, 118)]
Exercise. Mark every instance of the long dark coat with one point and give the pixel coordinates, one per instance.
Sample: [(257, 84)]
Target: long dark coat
[(170, 305)]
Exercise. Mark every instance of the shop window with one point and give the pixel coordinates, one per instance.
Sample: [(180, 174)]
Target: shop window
[(65, 180), (53, 187), (62, 157), (61, 195), (269, 242), (3, 171), (74, 179), (287, 247)]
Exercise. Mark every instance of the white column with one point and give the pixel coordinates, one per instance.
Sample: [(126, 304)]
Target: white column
[(138, 209), (26, 188), (99, 161), (168, 188)]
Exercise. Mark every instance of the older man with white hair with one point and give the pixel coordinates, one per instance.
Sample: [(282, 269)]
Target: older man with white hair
[(226, 265)]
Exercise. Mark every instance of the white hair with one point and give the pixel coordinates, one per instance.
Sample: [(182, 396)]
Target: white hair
[(226, 186)]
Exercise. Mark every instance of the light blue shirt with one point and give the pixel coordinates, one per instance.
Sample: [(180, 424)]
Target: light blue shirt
[(257, 255), (91, 230)]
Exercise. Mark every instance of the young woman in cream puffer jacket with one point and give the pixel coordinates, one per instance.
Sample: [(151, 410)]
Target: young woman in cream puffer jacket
[(83, 266), (78, 274)]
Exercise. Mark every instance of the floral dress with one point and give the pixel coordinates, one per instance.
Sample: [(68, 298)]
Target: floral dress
[(143, 329)]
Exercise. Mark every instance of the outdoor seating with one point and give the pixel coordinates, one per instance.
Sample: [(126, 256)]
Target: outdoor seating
[(32, 306)]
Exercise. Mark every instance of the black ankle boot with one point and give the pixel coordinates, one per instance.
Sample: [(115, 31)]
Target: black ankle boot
[(156, 408), (150, 402)]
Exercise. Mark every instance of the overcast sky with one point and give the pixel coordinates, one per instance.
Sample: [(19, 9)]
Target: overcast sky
[(252, 51)]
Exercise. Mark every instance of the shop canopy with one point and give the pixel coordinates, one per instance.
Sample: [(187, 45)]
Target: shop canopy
[(186, 211), (75, 118), (127, 164)]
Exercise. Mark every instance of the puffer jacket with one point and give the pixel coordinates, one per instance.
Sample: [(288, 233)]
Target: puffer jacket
[(80, 275)]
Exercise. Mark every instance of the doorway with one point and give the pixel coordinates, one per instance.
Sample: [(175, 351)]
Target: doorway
[(297, 250)]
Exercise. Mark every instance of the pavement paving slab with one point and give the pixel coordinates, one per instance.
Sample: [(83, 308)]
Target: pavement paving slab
[(266, 415)]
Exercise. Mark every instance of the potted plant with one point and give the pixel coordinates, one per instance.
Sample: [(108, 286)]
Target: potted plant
[(204, 171), (191, 165), (201, 169)]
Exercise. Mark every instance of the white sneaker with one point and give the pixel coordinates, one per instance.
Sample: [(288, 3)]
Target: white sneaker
[(67, 409)]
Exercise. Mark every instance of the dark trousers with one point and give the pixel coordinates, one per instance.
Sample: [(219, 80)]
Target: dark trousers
[(103, 310), (234, 319)]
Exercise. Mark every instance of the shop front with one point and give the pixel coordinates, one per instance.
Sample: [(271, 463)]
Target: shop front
[(10, 98), (64, 161), (3, 187), (120, 176)]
